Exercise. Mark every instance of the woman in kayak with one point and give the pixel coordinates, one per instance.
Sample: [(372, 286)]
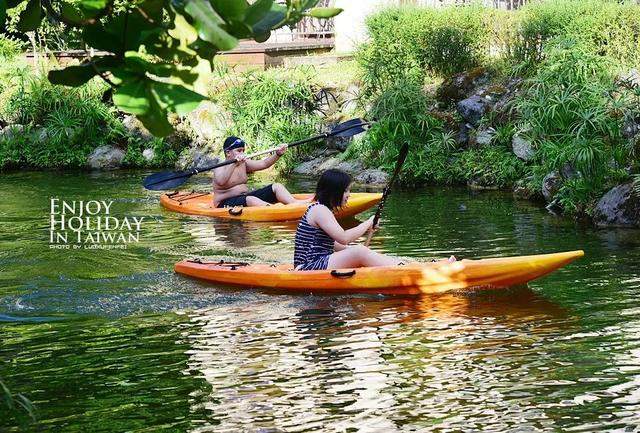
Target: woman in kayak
[(321, 243)]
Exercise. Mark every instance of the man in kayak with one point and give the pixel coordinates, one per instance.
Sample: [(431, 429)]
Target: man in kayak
[(230, 181)]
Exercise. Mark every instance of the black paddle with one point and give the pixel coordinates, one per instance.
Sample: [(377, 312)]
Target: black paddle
[(167, 180), (402, 155)]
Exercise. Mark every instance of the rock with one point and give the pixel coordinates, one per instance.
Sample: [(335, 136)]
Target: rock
[(196, 157), (473, 108), (461, 85), (340, 143), (462, 136), (149, 154), (619, 207), (502, 107), (105, 158), (349, 100), (136, 128), (372, 177), (631, 79), (522, 148), (554, 207), (480, 183), (326, 101), (41, 135), (484, 136), (317, 166), (569, 172), (630, 128), (8, 132), (551, 184), (209, 123), (309, 168)]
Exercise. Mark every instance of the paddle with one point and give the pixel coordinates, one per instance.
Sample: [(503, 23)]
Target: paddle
[(172, 179), (402, 155)]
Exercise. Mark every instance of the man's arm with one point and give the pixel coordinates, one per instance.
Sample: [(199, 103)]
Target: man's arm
[(266, 162)]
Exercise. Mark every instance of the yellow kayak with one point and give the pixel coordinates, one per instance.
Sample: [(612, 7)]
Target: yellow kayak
[(199, 203), (410, 279)]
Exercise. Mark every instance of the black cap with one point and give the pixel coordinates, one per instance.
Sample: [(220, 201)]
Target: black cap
[(232, 143)]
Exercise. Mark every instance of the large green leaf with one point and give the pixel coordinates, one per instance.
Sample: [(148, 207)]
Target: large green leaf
[(306, 4), (272, 19), (257, 11), (182, 30), (133, 97), (121, 33), (156, 121), (231, 10), (13, 3), (324, 12), (78, 75), (141, 64), (209, 24), (72, 75), (71, 13), (176, 99), (92, 7), (30, 17)]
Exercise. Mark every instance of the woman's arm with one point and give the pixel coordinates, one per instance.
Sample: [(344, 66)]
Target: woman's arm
[(322, 217), (337, 246)]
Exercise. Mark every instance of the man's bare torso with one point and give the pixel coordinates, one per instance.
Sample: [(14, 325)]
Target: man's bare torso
[(235, 186)]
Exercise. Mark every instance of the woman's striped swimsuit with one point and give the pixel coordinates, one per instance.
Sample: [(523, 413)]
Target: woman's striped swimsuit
[(312, 246)]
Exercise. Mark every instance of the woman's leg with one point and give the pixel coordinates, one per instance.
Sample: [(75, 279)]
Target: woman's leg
[(360, 256), (284, 196)]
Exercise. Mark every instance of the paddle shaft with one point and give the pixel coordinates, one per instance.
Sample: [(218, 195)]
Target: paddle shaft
[(273, 149), (195, 171), (402, 156)]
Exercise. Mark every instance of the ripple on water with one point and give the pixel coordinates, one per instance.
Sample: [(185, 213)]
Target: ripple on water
[(114, 341)]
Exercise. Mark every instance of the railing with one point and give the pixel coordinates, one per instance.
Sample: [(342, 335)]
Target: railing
[(308, 29), (498, 4)]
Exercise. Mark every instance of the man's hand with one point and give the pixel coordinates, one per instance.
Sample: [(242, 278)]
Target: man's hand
[(241, 158), (282, 149)]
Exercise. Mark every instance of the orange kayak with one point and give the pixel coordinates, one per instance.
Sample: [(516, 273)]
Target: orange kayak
[(198, 203), (410, 279)]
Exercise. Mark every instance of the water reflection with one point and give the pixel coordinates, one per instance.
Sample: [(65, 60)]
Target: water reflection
[(357, 362), (100, 340)]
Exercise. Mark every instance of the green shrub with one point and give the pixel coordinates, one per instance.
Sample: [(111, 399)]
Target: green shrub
[(165, 153), (63, 124), (573, 113), (9, 48), (490, 166), (272, 107), (604, 27), (403, 117), (405, 43)]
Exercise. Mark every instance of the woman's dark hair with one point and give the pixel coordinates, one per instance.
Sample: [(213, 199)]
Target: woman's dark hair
[(331, 187)]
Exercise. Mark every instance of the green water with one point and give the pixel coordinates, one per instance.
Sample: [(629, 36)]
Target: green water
[(114, 341)]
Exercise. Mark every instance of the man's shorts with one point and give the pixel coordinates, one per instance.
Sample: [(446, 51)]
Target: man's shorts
[(265, 194)]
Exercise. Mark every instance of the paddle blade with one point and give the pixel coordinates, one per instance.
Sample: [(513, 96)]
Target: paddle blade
[(349, 128), (166, 180)]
